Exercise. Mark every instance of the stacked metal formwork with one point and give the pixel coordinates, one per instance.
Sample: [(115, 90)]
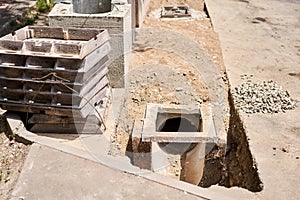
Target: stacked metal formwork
[(60, 76)]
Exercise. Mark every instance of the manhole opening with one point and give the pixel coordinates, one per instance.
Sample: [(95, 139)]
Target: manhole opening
[(181, 123), (177, 122)]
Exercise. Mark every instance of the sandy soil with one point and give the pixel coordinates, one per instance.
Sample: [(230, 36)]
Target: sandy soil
[(12, 157), (158, 76)]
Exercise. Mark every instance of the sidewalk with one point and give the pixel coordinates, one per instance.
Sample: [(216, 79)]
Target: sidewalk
[(52, 174)]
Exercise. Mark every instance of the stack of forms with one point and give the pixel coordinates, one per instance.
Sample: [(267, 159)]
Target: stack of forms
[(57, 76)]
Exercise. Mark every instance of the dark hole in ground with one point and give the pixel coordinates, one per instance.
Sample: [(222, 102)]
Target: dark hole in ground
[(177, 124), (176, 148)]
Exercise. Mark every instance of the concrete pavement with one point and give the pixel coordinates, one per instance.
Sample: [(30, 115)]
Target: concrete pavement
[(52, 174)]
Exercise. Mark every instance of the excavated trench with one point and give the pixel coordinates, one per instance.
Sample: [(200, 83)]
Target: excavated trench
[(238, 168)]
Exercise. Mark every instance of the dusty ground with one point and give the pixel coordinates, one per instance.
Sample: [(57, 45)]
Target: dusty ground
[(12, 157)]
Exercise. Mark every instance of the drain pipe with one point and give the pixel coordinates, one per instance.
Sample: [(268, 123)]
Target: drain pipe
[(192, 164)]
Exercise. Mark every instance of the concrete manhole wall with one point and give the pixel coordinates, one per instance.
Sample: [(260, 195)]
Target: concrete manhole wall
[(174, 122)]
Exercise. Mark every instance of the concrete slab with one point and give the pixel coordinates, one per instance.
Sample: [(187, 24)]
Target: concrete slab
[(157, 114), (64, 176), (262, 38)]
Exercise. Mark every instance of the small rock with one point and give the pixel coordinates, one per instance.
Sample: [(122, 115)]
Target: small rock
[(178, 89), (200, 101)]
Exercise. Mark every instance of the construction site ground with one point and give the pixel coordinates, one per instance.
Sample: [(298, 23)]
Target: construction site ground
[(268, 49)]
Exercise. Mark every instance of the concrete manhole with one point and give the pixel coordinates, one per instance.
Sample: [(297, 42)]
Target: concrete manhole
[(177, 133), (176, 124)]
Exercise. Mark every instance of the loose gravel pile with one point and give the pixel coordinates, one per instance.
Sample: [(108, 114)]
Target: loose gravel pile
[(264, 97)]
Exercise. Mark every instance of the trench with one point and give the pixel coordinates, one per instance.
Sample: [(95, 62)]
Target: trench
[(238, 167)]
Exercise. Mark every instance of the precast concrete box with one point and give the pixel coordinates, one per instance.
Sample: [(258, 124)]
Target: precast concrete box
[(178, 130), (118, 22), (54, 72)]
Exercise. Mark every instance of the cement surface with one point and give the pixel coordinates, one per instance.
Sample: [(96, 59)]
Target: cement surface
[(263, 38), (51, 174)]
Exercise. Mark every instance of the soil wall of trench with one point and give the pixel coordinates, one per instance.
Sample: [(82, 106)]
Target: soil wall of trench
[(238, 168)]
